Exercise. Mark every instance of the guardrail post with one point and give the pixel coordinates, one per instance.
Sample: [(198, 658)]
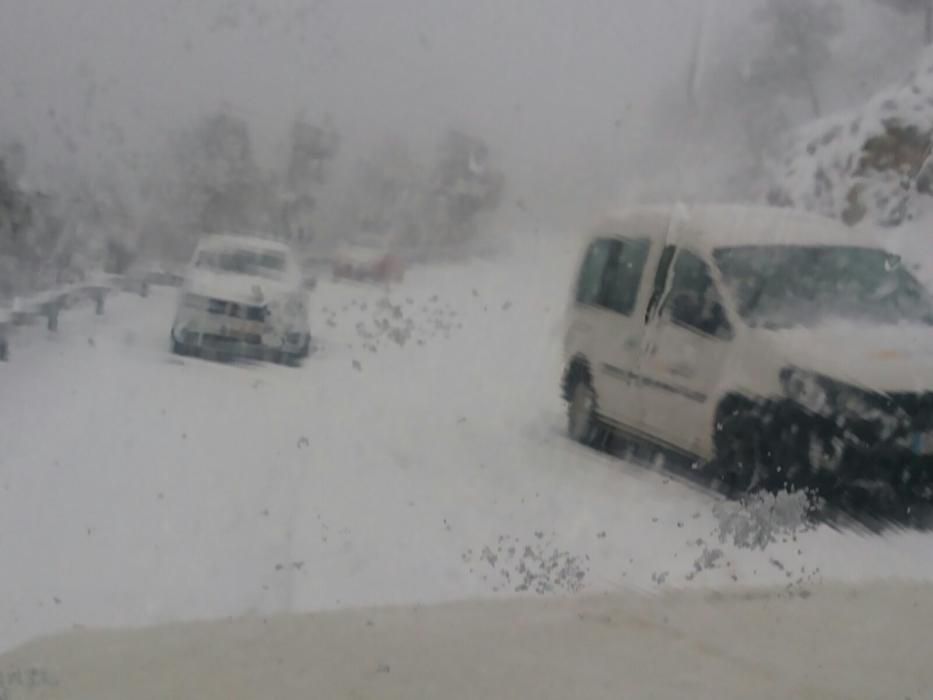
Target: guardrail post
[(51, 313), (4, 346), (99, 296)]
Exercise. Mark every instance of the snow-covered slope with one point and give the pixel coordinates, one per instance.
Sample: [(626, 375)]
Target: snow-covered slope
[(871, 164), (418, 456)]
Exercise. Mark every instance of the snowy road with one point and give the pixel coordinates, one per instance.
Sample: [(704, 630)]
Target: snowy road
[(417, 457)]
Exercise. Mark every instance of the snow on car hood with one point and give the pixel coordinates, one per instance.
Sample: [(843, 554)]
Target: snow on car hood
[(242, 289), (881, 358)]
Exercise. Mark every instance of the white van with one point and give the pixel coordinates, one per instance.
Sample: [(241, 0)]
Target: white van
[(243, 295), (774, 348)]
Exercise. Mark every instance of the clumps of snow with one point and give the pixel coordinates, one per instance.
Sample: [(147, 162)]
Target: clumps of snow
[(708, 559), (763, 518), (536, 566), (384, 322), (872, 164)]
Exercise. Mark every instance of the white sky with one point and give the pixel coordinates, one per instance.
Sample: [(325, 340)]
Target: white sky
[(559, 88), (530, 74)]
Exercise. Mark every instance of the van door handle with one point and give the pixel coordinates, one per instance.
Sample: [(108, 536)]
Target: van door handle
[(630, 343)]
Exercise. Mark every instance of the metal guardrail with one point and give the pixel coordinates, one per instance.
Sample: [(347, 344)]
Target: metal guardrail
[(50, 303)]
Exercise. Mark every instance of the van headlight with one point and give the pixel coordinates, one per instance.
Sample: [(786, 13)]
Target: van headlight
[(824, 396), (807, 389)]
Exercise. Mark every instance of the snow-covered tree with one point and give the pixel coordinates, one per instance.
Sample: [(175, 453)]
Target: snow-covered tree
[(208, 183), (871, 164), (211, 182), (219, 174), (32, 232), (799, 46), (919, 7), (311, 150), (388, 192), (432, 210), (15, 217), (464, 187)]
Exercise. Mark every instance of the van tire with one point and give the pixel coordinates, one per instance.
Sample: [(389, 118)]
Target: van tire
[(179, 348), (582, 422)]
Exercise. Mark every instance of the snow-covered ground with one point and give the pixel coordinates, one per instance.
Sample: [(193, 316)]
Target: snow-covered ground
[(418, 456)]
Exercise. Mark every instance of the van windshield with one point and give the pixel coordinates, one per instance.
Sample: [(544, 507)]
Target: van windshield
[(782, 286)]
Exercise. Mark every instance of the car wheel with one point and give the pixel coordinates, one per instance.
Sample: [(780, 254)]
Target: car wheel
[(292, 359), (306, 348), (178, 348), (582, 424)]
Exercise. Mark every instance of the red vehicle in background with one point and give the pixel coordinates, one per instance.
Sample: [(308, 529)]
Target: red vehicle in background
[(368, 259)]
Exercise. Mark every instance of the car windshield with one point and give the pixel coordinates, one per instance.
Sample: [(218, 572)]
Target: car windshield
[(243, 261), (783, 286)]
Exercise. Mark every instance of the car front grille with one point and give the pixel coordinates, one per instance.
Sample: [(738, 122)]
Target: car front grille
[(217, 340), (221, 307)]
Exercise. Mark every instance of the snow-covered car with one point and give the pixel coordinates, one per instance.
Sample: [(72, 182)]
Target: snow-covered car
[(774, 349), (164, 274), (243, 296), (368, 258)]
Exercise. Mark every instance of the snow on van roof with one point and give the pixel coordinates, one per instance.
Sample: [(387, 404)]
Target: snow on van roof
[(721, 225), (226, 241)]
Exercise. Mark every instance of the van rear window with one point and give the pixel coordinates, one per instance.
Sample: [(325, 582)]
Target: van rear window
[(611, 274)]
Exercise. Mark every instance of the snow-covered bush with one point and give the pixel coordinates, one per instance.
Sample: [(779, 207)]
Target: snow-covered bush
[(872, 164)]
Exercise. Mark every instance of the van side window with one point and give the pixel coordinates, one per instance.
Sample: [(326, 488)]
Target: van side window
[(694, 301), (622, 278), (611, 274), (589, 284)]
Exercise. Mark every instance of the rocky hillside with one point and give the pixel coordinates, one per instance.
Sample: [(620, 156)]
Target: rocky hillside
[(872, 165)]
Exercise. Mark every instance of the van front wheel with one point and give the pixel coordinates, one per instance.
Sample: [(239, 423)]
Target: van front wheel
[(582, 424)]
